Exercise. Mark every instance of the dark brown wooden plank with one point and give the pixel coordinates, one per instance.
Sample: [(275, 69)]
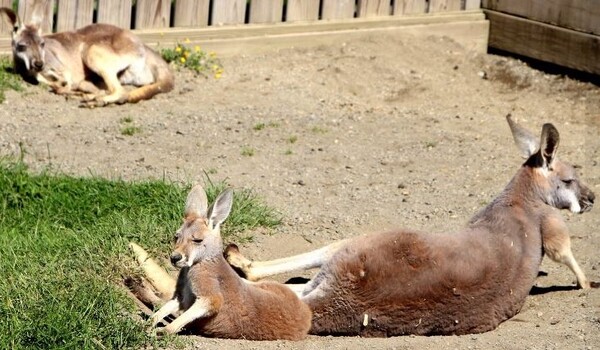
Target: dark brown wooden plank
[(545, 42), (583, 15)]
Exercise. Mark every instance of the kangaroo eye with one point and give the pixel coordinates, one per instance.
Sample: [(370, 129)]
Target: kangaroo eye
[(21, 47), (197, 240), (42, 44), (567, 181)]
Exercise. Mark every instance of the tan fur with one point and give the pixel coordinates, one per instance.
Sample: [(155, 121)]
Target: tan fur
[(213, 300), (86, 61), (406, 282)]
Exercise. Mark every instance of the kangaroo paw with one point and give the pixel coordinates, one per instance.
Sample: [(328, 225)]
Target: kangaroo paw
[(239, 262)]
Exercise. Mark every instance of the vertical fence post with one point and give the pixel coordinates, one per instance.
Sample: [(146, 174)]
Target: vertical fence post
[(302, 10), (73, 14), (266, 11), (116, 12), (228, 12), (191, 13), (152, 14), (26, 8), (337, 9), (371, 8)]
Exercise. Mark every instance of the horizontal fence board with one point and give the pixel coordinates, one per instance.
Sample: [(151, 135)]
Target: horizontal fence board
[(116, 12), (545, 42), (581, 15), (302, 10), (5, 27), (228, 12), (26, 9), (468, 25), (471, 34), (338, 9), (409, 7), (152, 14), (266, 11), (444, 5), (74, 14), (371, 8), (191, 13)]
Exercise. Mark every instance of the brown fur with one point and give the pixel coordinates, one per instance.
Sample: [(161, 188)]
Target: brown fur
[(213, 299), (405, 282), (95, 57)]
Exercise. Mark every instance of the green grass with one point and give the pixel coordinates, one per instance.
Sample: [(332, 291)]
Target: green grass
[(247, 151), (63, 254), (8, 80), (130, 130)]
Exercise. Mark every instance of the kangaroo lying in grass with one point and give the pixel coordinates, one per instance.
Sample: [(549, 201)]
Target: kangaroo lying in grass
[(406, 282), (70, 61), (215, 301)]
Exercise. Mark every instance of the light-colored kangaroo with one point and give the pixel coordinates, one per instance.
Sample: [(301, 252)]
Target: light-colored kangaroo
[(215, 301), (69, 62), (406, 282)]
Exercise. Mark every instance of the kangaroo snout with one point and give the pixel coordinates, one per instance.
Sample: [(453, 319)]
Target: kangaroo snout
[(38, 65), (176, 258)]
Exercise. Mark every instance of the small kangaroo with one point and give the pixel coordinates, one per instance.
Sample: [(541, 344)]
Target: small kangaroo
[(407, 282), (69, 62), (215, 301)]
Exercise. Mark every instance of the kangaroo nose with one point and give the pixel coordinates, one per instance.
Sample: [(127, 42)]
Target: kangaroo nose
[(175, 258), (38, 65)]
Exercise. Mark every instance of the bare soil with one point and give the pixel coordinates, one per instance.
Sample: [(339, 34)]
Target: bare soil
[(370, 134)]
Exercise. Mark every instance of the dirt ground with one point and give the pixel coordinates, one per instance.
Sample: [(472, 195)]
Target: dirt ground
[(370, 134)]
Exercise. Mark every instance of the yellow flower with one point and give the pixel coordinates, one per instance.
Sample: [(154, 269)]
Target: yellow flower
[(215, 67), (182, 59), (218, 76), (178, 48), (186, 54), (197, 48), (212, 54), (187, 40)]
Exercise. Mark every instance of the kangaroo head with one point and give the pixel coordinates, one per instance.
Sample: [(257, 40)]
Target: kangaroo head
[(27, 41), (556, 182), (199, 237)]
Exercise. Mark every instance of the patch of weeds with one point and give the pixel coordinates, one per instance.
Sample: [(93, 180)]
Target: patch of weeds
[(194, 59), (319, 130), (128, 129), (288, 152), (248, 151), (430, 144), (211, 171), (292, 139), (261, 126), (8, 80), (58, 230)]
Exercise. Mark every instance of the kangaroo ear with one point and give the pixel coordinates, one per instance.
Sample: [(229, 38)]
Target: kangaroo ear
[(196, 202), (12, 18), (221, 208), (549, 144), (526, 142)]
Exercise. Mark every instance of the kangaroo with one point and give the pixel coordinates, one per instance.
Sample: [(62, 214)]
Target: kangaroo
[(407, 282), (70, 61), (215, 301)]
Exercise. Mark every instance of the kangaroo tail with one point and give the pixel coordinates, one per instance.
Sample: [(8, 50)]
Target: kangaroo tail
[(159, 278)]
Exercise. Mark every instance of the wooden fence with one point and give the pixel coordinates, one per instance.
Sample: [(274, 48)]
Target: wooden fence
[(564, 32), (144, 14)]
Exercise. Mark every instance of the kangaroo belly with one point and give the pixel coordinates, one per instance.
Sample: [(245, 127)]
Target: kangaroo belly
[(400, 283)]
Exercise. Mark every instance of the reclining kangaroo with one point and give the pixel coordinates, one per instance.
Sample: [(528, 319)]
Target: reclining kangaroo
[(215, 301), (405, 282), (69, 61)]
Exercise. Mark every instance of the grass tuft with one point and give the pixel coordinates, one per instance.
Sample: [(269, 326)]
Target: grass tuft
[(63, 253), (8, 80)]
